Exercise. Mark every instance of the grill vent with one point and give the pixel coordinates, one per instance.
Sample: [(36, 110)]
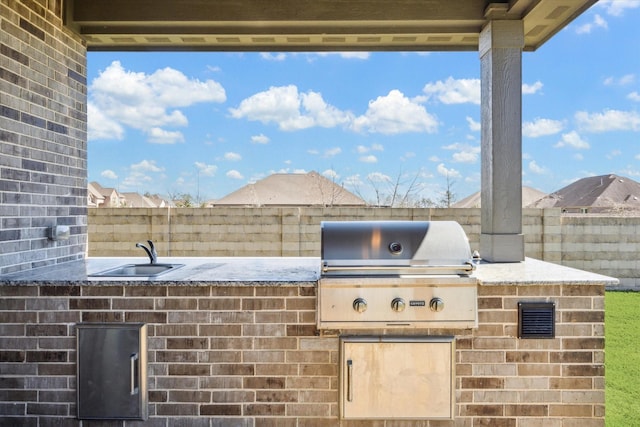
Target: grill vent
[(536, 320)]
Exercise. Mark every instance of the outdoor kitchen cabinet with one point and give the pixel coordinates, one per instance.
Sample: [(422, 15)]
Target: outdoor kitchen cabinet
[(402, 377), (112, 371)]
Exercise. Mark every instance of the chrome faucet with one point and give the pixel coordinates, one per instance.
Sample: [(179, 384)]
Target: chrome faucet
[(151, 251)]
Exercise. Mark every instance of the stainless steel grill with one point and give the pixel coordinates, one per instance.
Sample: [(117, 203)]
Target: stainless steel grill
[(396, 274)]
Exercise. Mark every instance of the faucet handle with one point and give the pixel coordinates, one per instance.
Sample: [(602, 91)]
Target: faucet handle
[(154, 253)]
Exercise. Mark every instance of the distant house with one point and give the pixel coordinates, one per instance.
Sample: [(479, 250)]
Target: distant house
[(94, 197), (529, 195), (103, 197), (135, 200), (281, 189), (596, 194)]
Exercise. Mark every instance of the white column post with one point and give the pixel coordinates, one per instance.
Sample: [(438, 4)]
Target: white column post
[(501, 43)]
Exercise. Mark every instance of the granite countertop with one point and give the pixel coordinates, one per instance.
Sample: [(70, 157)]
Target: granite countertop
[(196, 270), (536, 272), (278, 271)]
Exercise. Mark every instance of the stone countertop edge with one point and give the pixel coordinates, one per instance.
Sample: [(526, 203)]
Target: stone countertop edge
[(536, 272), (276, 271)]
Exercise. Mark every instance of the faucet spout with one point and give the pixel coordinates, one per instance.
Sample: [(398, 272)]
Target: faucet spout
[(151, 251)]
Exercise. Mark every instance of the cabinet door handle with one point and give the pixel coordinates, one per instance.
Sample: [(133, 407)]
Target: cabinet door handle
[(134, 359), (349, 380)]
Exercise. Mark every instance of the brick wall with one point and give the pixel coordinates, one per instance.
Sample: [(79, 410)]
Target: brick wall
[(605, 245), (251, 356), (43, 165)]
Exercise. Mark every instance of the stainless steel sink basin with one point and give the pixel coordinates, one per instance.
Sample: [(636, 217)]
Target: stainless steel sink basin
[(138, 270)]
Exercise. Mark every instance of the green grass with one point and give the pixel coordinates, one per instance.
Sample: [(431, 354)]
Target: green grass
[(622, 358)]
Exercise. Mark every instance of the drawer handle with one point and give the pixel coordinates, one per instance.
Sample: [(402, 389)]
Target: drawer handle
[(134, 359), (349, 380)]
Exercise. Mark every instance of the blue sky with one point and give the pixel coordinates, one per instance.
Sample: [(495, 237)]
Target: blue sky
[(210, 123)]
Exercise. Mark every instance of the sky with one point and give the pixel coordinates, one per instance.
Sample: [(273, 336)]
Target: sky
[(209, 123)]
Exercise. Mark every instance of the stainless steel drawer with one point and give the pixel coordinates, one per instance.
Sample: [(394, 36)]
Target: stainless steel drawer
[(396, 378), (112, 371)]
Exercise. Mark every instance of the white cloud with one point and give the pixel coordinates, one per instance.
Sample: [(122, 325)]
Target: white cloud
[(205, 169), (273, 56), (473, 125), (369, 159), (345, 55), (332, 152), (260, 139), (598, 22), (536, 169), (613, 153), (290, 110), (573, 140), (353, 181), (232, 157), (161, 136), (455, 91), (136, 181), (362, 149), (627, 79), (234, 174), (378, 177), (465, 153), (394, 114), (634, 96), (100, 126), (146, 166), (541, 127), (609, 120), (450, 173), (617, 7), (331, 174), (528, 89), (145, 101), (109, 174), (139, 178)]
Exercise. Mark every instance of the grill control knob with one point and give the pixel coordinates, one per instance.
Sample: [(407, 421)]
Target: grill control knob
[(360, 305), (398, 304), (436, 304)]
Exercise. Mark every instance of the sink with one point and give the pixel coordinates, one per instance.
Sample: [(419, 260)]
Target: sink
[(138, 270)]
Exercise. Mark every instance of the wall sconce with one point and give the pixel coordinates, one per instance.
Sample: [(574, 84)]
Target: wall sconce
[(59, 232)]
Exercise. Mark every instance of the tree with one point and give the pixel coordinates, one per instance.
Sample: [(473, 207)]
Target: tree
[(401, 192), (448, 196)]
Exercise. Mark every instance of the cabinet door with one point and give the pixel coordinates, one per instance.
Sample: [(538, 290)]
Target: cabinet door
[(111, 377), (397, 378)]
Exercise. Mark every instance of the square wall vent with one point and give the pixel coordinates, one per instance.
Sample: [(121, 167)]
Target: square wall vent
[(536, 320)]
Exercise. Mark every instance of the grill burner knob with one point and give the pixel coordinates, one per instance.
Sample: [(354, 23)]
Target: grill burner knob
[(398, 304), (360, 305), (436, 304), (395, 248)]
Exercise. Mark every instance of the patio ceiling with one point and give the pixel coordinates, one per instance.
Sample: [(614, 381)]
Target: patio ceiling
[(309, 25)]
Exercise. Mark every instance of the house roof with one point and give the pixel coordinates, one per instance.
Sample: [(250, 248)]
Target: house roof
[(281, 189), (529, 195), (104, 191), (310, 25), (603, 191), (135, 200)]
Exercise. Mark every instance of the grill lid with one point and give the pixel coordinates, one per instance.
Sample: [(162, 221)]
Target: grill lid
[(394, 247)]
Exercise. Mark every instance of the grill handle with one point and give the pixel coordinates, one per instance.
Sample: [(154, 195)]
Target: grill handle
[(466, 267), (349, 380)]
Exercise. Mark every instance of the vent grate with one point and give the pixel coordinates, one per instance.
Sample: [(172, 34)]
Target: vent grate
[(536, 320)]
